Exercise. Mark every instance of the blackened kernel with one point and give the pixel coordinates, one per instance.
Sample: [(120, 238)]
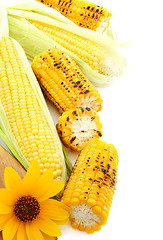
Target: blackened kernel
[(103, 170), (78, 82), (72, 139), (74, 113), (99, 133), (97, 193), (87, 91), (68, 119), (86, 192), (99, 186), (88, 109), (105, 184), (90, 178), (108, 166), (96, 181), (97, 167)]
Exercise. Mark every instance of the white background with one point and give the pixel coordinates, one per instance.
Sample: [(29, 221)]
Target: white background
[(132, 120)]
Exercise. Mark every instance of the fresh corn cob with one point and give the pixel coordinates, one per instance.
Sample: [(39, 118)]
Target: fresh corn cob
[(90, 189), (84, 13), (26, 112), (63, 82), (87, 50), (77, 126)]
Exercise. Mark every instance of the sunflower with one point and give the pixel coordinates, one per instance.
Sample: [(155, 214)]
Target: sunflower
[(27, 210)]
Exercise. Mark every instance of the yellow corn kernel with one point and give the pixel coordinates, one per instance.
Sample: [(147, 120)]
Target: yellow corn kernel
[(84, 13), (63, 82), (31, 127), (94, 203)]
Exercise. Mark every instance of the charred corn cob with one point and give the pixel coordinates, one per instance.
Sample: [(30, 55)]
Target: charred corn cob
[(87, 50), (77, 126), (63, 82), (26, 112), (91, 186), (84, 13)]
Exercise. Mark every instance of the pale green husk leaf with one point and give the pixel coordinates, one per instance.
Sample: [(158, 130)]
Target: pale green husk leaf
[(37, 7), (35, 41), (9, 139)]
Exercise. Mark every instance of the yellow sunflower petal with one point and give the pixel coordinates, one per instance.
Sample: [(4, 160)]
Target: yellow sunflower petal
[(47, 237), (62, 222), (21, 233), (48, 226), (31, 177), (43, 184), (6, 197), (53, 210), (4, 209), (10, 228), (12, 180), (3, 219), (51, 190), (33, 232)]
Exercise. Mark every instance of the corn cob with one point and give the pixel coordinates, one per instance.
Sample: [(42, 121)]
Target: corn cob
[(91, 186), (87, 50), (26, 111), (63, 82), (77, 126), (84, 13)]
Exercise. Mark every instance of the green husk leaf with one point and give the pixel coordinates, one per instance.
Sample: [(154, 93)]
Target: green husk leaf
[(37, 7), (68, 162), (29, 37), (9, 139), (99, 38), (4, 28)]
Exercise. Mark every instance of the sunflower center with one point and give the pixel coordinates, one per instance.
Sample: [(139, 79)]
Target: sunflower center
[(26, 208)]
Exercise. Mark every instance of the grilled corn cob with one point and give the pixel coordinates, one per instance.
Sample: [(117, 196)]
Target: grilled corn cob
[(91, 186), (84, 13), (63, 82), (26, 112), (77, 126), (87, 50)]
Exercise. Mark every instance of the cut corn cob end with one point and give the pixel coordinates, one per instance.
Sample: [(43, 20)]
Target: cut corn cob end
[(77, 126), (90, 189), (63, 82)]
